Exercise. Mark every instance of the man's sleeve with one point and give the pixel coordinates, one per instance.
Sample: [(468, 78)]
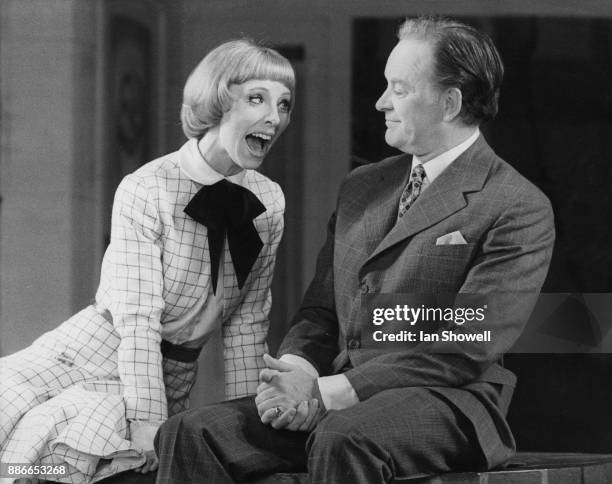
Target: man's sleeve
[(509, 269), (314, 331)]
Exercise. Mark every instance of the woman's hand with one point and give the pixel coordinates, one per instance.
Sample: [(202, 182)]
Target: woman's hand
[(142, 434), (150, 464)]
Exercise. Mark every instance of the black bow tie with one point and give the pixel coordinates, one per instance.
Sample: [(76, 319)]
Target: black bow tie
[(227, 208)]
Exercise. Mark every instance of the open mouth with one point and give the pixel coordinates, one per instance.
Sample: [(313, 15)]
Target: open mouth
[(258, 143)]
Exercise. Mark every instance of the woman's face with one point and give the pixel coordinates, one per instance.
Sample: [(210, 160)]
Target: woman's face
[(260, 112)]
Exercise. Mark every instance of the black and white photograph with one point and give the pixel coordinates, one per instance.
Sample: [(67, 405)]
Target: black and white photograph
[(305, 241)]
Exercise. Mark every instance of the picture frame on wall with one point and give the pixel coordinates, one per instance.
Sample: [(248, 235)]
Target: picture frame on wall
[(133, 78)]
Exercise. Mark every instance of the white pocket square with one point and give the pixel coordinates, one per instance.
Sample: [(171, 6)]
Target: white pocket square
[(454, 238)]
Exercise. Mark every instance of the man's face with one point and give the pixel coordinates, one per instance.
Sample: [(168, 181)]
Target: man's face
[(411, 103)]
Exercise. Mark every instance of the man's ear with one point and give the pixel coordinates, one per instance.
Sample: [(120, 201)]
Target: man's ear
[(453, 100)]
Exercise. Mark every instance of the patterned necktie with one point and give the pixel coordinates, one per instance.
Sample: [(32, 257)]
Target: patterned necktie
[(412, 190)]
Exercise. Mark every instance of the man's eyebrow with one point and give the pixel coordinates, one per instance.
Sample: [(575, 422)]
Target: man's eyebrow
[(400, 82)]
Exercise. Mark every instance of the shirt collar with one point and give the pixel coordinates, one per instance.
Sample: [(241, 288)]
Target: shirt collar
[(194, 165), (437, 165)]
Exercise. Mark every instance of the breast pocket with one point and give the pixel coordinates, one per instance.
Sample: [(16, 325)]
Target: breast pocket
[(452, 250), (445, 266)]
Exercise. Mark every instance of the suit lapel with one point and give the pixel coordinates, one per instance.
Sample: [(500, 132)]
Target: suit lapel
[(443, 197), (381, 211)]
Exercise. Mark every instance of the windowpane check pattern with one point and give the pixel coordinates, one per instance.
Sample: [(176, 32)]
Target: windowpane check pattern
[(92, 378)]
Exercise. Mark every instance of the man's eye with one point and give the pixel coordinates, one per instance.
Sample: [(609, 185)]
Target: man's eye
[(398, 88), (285, 106), (255, 98)]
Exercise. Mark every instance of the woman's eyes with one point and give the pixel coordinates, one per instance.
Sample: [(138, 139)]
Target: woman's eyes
[(284, 105)]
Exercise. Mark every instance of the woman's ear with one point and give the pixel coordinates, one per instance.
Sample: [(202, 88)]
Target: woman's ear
[(453, 101)]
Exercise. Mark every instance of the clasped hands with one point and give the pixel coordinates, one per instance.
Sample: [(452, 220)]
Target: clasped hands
[(285, 397)]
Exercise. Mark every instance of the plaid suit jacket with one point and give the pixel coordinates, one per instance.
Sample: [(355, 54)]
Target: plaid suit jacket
[(508, 225)]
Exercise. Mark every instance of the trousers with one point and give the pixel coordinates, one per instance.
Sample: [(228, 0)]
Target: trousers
[(404, 432)]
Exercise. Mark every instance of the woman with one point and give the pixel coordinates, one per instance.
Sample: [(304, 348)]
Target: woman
[(193, 244)]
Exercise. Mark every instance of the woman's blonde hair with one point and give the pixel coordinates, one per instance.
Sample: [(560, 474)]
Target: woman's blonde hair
[(206, 95)]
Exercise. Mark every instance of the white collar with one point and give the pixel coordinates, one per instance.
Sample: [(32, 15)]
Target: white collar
[(197, 168), (437, 165)]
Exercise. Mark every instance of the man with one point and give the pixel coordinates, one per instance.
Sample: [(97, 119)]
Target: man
[(451, 218)]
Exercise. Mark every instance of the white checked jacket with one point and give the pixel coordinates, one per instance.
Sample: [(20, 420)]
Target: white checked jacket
[(76, 395), (157, 269)]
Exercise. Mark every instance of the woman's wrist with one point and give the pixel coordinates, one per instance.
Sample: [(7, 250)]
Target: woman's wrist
[(142, 433)]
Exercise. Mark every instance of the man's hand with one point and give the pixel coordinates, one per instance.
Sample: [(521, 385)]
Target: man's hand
[(303, 418), (307, 416), (284, 386), (282, 381)]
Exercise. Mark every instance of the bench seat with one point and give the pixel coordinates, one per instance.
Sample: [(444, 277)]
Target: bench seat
[(523, 468)]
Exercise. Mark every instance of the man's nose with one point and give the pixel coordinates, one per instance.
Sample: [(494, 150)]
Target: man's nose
[(383, 101)]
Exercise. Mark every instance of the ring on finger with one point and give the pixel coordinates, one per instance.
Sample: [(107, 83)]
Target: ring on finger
[(277, 412)]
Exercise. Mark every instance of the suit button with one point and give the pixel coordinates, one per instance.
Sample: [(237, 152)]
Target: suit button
[(364, 288), (353, 344)]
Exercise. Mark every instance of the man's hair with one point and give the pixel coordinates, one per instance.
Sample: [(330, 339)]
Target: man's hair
[(464, 58), (206, 95)]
